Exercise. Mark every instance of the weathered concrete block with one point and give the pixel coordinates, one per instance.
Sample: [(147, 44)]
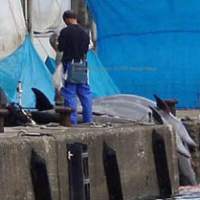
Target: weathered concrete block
[(124, 160), (193, 128), (15, 178)]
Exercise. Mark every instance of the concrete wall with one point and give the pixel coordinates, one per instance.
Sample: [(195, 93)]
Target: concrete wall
[(193, 127), (36, 167)]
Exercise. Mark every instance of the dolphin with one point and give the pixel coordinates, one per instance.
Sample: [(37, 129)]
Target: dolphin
[(178, 126), (183, 140), (127, 98), (179, 144), (122, 107)]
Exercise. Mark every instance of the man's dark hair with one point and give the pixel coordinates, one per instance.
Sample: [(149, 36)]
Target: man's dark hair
[(69, 14)]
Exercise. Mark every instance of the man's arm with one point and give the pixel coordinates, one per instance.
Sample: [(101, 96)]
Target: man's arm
[(61, 40)]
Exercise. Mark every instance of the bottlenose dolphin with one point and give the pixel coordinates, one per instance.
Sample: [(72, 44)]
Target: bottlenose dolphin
[(187, 174), (127, 98), (122, 109), (169, 118), (131, 107), (179, 144)]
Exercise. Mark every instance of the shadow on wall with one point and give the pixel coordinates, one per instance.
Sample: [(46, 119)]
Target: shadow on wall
[(40, 178)]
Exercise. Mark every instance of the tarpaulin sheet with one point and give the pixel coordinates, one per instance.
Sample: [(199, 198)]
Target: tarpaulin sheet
[(151, 47), (47, 15), (12, 27), (26, 66), (99, 79)]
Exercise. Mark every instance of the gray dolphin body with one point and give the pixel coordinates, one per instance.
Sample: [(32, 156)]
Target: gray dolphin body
[(163, 118), (179, 128), (122, 108), (128, 98)]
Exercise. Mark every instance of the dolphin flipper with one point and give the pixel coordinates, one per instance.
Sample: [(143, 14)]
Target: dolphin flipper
[(42, 102)]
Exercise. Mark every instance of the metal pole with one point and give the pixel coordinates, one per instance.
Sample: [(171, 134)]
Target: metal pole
[(27, 14)]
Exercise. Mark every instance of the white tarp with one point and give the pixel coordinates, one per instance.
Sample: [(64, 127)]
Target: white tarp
[(47, 14), (12, 26)]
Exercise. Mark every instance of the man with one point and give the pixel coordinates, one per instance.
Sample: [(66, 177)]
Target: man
[(74, 42)]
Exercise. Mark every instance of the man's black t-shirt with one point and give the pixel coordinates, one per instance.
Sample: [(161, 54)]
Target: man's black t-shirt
[(74, 42)]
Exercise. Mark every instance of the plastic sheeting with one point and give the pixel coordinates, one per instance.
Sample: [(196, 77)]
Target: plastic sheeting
[(151, 47), (100, 81), (12, 26), (47, 14), (51, 64), (26, 66)]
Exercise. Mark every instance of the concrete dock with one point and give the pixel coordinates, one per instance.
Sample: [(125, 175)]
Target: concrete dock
[(122, 161)]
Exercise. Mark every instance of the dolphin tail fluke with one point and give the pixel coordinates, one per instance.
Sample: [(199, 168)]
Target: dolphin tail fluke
[(42, 102)]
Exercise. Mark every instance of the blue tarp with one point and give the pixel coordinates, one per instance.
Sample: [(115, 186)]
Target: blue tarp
[(51, 64), (25, 65), (99, 79), (151, 47)]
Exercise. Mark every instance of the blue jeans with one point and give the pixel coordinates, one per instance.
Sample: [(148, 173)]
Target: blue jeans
[(70, 93)]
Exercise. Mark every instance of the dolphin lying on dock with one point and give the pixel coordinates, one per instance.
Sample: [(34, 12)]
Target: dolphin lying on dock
[(128, 110), (122, 105), (118, 106), (127, 98)]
